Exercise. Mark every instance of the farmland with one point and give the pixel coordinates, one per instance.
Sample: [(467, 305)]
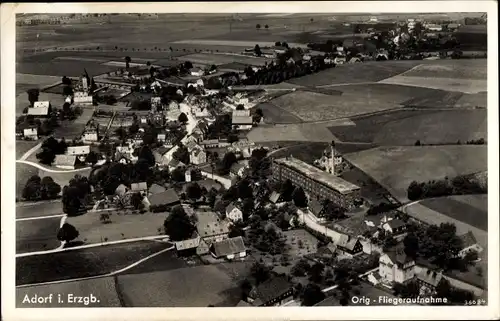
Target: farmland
[(396, 167), (219, 59), (470, 69), (63, 178), (23, 173), (37, 235), (82, 262), (405, 127), (38, 209), (103, 288), (188, 287), (277, 115), (22, 146), (450, 84), (459, 208), (327, 107), (355, 73), (121, 226)]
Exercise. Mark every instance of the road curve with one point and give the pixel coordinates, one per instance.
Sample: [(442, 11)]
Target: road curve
[(50, 170)]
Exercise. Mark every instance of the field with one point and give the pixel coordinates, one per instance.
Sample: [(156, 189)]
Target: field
[(276, 115), (22, 146), (450, 84), (27, 81), (396, 167), (461, 69), (102, 288), (405, 127), (425, 214), (122, 226), (187, 287), (37, 235), (69, 130), (459, 208), (311, 106), (355, 73), (83, 263), (23, 102), (162, 262), (220, 59), (39, 209)]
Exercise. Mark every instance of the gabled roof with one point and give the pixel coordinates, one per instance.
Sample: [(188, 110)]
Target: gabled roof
[(162, 150), (164, 198), (315, 206), (399, 257), (395, 223), (65, 160), (271, 289), (141, 186), (210, 224), (242, 120), (40, 111), (244, 112), (236, 167), (78, 150), (176, 163), (229, 246), (41, 104), (187, 244), (155, 189), (429, 276), (190, 145), (468, 239), (348, 243)]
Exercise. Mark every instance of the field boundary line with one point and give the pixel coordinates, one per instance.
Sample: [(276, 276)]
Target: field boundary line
[(137, 239), (39, 217)]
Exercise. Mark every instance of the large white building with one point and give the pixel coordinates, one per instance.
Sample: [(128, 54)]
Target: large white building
[(396, 267)]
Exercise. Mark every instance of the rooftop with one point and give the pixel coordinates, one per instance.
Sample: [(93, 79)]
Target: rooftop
[(337, 183), (271, 289), (242, 120), (167, 197), (229, 246), (65, 160), (210, 224)]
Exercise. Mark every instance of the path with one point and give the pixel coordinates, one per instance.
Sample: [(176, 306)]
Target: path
[(50, 170), (30, 151)]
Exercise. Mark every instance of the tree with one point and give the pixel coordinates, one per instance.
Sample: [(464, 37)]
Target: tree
[(300, 268), (67, 91), (266, 26), (257, 26), (46, 156), (193, 191), (228, 160), (417, 143), (177, 224), (312, 295), (408, 290), (316, 272), (92, 158), (299, 197), (260, 272), (136, 200), (33, 95), (147, 155), (183, 118), (182, 154), (128, 60), (235, 231), (411, 245), (178, 174), (257, 51), (66, 81), (67, 233), (48, 188), (286, 190), (104, 218), (188, 65), (31, 190)]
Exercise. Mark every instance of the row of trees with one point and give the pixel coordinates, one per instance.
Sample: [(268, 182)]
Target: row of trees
[(480, 141), (458, 185), (37, 188), (76, 196)]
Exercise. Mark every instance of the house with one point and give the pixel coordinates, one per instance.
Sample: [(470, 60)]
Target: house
[(41, 104), (211, 228), (161, 137), (230, 249), (197, 156), (469, 244), (90, 135), (188, 139), (396, 266), (234, 213), (197, 72), (428, 280), (30, 133), (349, 246), (167, 198), (275, 197), (188, 247), (139, 187), (242, 122), (374, 278), (275, 291), (138, 138), (160, 155), (156, 189), (121, 190), (378, 221), (78, 150), (238, 169), (210, 143), (395, 226), (174, 163), (38, 112), (65, 161)]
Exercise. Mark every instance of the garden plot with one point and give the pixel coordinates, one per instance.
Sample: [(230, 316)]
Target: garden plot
[(120, 226), (300, 242), (396, 167)]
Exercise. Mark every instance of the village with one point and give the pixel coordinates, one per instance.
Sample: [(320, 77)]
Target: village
[(164, 153)]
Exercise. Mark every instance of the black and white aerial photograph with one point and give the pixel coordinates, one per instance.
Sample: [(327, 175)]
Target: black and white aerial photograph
[(251, 159)]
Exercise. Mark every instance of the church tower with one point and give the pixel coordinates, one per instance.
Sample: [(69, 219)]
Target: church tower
[(335, 160)]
